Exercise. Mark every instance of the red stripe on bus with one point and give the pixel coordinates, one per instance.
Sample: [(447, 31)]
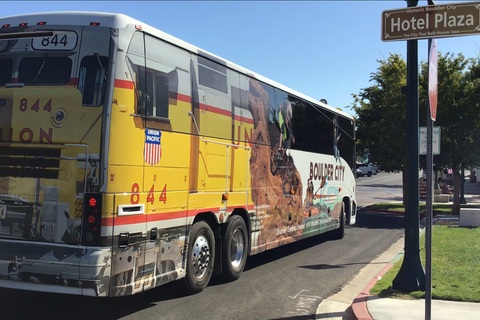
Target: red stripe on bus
[(243, 119), (135, 219), (324, 196), (184, 98), (123, 84), (216, 110)]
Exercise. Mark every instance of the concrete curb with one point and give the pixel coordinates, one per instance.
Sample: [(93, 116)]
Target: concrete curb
[(339, 305), (359, 304)]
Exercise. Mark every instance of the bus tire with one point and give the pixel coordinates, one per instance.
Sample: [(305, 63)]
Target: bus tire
[(235, 244), (340, 232), (200, 257)]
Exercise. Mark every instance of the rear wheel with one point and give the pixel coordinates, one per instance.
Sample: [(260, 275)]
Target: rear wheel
[(369, 173), (234, 248), (340, 232), (200, 257)]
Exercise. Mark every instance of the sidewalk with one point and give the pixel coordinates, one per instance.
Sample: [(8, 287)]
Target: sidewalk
[(354, 300)]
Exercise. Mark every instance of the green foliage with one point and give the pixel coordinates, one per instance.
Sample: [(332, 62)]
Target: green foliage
[(458, 116), (380, 111)]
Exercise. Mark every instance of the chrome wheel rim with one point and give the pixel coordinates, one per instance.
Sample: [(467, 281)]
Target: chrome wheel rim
[(237, 249), (200, 257)]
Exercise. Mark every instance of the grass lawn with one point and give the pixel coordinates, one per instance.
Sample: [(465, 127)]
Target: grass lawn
[(398, 206), (455, 267)]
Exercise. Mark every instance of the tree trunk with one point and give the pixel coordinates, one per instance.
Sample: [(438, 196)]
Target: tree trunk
[(462, 187), (456, 191)]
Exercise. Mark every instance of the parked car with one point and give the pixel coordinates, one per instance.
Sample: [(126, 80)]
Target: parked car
[(358, 173), (367, 169)]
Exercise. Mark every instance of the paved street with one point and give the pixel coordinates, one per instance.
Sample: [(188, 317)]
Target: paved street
[(382, 187)]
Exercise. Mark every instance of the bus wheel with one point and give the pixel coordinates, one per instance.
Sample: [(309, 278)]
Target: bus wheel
[(200, 257), (235, 244), (340, 232)]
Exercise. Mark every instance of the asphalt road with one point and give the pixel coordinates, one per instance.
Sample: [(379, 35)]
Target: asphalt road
[(382, 187), (284, 283)]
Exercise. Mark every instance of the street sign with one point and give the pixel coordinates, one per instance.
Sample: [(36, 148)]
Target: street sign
[(434, 21), (423, 141), (433, 79)]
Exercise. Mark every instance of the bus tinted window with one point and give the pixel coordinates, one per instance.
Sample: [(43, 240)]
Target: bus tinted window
[(346, 143), (6, 66), (45, 70), (153, 90), (212, 75), (92, 78), (161, 96), (312, 127)]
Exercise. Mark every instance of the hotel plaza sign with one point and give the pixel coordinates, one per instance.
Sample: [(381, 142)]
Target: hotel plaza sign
[(434, 21)]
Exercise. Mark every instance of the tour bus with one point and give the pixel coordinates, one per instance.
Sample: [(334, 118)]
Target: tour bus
[(130, 158)]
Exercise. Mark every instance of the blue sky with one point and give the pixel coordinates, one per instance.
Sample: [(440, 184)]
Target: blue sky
[(324, 49)]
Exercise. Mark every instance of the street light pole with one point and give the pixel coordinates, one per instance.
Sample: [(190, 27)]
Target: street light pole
[(411, 276)]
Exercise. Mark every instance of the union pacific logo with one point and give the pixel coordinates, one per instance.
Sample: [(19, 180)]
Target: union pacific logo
[(7, 184)]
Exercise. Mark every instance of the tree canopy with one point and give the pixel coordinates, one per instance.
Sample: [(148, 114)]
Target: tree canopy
[(381, 110)]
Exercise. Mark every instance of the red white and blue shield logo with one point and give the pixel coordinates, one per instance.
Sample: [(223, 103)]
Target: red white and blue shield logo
[(152, 151)]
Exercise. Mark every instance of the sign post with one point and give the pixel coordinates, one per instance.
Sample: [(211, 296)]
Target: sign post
[(411, 276)]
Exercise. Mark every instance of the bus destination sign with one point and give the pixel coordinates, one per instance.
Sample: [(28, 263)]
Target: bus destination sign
[(434, 21)]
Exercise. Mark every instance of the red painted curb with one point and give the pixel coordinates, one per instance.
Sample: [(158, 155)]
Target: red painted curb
[(359, 304)]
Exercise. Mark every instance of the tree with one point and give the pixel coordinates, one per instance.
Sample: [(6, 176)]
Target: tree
[(381, 120), (380, 111), (457, 114)]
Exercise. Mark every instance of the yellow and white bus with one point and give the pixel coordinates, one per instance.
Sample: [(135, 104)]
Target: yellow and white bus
[(129, 159)]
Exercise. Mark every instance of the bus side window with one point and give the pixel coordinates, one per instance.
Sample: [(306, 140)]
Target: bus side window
[(161, 93), (6, 66), (92, 78), (156, 87)]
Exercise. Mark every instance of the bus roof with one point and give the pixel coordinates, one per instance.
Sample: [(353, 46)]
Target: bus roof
[(119, 20)]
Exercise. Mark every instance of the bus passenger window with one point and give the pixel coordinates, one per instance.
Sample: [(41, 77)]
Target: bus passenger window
[(153, 91), (161, 93), (45, 71), (212, 75), (92, 79), (6, 66)]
